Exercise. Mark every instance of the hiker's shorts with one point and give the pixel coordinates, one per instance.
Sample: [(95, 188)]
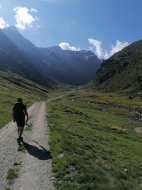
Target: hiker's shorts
[(20, 122)]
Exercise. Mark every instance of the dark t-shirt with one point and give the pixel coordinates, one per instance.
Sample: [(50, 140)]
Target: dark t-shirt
[(18, 110)]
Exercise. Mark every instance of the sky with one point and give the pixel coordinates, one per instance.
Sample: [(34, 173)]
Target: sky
[(102, 26)]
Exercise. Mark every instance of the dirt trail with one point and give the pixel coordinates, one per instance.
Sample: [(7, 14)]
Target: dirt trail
[(34, 163), (138, 129)]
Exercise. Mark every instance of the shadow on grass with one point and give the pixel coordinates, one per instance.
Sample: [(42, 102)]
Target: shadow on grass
[(40, 153)]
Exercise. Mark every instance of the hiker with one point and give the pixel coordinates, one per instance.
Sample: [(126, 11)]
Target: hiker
[(19, 113)]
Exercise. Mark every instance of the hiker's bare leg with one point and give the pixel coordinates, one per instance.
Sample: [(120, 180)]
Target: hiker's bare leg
[(21, 131), (18, 129)]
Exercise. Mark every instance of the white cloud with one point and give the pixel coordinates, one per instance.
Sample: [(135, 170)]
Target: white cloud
[(67, 46), (98, 45), (23, 17), (119, 46), (34, 10), (101, 53), (3, 23)]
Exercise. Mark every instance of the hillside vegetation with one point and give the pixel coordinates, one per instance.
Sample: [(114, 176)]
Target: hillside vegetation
[(93, 143), (123, 71), (11, 87)]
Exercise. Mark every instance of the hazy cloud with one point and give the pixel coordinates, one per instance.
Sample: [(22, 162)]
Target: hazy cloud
[(101, 53), (98, 47), (119, 46), (3, 23), (67, 46), (34, 10), (23, 17)]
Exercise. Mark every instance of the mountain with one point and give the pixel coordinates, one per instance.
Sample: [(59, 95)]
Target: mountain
[(13, 60), (29, 50), (122, 71), (72, 67)]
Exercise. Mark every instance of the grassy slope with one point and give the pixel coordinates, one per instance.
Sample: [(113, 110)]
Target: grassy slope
[(123, 71), (12, 87), (93, 149)]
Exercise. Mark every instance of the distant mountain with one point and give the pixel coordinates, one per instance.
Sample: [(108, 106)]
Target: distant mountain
[(29, 50), (13, 60), (123, 71), (73, 67)]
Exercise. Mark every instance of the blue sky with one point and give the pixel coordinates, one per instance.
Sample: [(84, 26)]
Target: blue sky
[(104, 26)]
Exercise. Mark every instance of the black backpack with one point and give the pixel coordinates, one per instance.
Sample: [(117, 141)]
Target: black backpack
[(18, 110)]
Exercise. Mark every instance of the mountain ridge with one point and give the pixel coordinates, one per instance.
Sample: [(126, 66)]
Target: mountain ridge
[(72, 67), (122, 71)]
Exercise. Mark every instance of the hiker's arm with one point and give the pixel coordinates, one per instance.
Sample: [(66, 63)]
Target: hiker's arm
[(26, 113), (13, 114)]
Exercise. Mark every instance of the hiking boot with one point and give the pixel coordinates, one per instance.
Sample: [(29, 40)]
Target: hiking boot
[(21, 138), (18, 141)]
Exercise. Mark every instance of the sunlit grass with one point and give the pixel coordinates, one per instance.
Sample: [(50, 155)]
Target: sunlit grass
[(93, 149)]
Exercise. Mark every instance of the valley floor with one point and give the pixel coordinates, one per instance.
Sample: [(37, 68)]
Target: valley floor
[(95, 141)]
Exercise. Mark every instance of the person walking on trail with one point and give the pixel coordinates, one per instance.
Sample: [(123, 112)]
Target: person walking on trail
[(19, 113)]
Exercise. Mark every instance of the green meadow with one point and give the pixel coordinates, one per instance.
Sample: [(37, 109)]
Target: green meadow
[(93, 143)]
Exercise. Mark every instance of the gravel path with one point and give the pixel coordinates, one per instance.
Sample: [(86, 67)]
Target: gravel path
[(33, 164), (138, 129)]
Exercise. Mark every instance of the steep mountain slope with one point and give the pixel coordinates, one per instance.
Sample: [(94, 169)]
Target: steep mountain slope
[(123, 71), (29, 51), (73, 67), (13, 60), (66, 66)]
